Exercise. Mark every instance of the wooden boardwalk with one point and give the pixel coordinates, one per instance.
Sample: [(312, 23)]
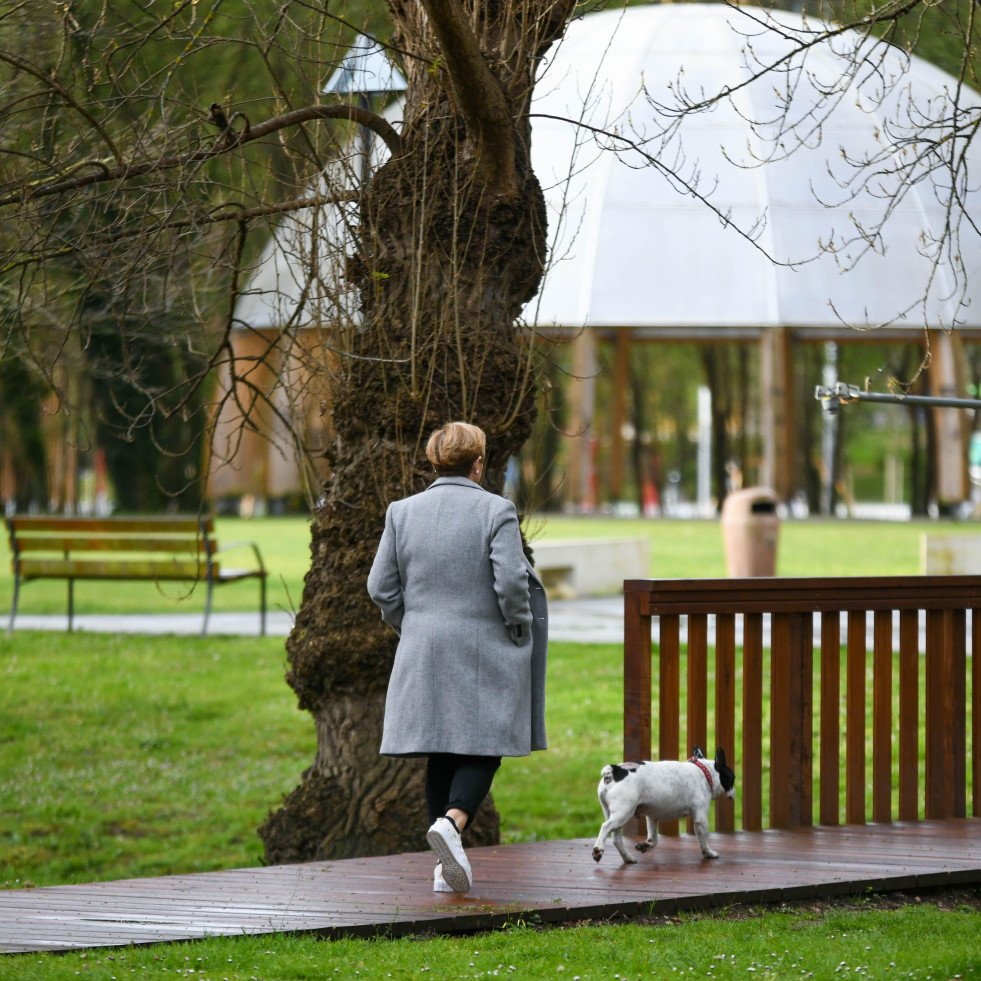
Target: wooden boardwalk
[(551, 881)]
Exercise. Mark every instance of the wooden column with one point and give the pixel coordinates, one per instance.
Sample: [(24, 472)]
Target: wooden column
[(621, 385), (778, 415), (947, 378), (582, 401)]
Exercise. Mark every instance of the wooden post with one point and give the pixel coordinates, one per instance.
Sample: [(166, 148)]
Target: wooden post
[(947, 378), (669, 694), (752, 762), (636, 686), (791, 672), (621, 385), (830, 726), (636, 678), (909, 715), (725, 709), (882, 717), (582, 400), (777, 412)]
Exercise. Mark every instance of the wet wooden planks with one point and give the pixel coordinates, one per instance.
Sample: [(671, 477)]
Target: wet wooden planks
[(552, 880)]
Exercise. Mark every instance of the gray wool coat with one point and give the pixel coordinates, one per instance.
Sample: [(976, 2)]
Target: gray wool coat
[(451, 577)]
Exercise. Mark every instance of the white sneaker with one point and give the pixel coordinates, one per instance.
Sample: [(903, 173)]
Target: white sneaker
[(439, 883), (445, 840)]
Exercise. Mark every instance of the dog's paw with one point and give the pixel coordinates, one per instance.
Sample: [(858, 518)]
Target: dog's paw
[(710, 853), (643, 846), (597, 854), (628, 859)]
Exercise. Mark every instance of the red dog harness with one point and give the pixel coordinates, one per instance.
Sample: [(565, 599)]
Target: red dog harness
[(704, 769)]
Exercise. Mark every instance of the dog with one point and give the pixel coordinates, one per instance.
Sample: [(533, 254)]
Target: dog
[(664, 791)]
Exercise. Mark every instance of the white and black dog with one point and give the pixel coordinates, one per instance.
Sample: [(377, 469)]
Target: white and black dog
[(664, 791)]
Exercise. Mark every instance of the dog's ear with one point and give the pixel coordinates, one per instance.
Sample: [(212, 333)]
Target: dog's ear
[(697, 754), (720, 758)]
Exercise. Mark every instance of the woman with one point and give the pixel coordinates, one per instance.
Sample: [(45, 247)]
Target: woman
[(468, 682)]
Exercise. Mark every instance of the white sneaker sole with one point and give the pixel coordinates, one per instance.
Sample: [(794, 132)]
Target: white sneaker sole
[(454, 874)]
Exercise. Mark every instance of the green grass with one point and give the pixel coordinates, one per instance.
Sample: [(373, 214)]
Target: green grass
[(679, 550), (138, 756), (917, 941)]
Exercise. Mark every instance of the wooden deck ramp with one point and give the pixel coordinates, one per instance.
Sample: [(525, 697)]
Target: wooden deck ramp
[(550, 881)]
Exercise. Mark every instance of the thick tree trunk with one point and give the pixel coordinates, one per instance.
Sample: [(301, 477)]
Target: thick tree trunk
[(448, 258)]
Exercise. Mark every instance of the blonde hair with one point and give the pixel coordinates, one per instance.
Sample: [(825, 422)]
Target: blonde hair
[(453, 449)]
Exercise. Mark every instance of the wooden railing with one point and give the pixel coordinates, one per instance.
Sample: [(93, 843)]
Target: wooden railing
[(779, 621)]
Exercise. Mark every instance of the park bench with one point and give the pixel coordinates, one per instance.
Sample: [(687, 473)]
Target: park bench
[(124, 549)]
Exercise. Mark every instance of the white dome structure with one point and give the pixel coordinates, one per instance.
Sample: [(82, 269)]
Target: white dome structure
[(632, 250)]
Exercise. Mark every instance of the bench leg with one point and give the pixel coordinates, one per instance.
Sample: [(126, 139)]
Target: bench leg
[(262, 606), (207, 607), (13, 606)]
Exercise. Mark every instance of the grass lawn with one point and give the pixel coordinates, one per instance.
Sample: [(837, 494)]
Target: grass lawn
[(916, 941)]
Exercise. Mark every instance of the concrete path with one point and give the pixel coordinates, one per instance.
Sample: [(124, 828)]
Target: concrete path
[(591, 620)]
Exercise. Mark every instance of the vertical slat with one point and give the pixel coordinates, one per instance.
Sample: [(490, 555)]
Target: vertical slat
[(882, 717), (751, 771), (830, 735), (909, 715), (697, 681), (855, 719), (804, 745), (956, 745), (669, 726), (697, 686), (936, 803), (976, 712), (779, 722), (725, 708), (636, 679)]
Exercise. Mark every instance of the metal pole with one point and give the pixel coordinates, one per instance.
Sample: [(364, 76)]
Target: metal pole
[(843, 394)]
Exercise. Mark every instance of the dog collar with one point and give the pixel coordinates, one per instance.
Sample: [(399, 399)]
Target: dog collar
[(704, 769)]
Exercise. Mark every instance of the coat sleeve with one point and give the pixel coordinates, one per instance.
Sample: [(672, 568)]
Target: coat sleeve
[(511, 574), (384, 581)]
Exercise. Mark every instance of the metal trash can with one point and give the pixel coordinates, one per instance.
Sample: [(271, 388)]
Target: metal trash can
[(750, 529)]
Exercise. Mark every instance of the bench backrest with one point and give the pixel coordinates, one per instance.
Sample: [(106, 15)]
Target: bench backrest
[(65, 546)]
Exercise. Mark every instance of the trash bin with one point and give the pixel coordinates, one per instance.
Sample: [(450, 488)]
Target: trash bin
[(750, 528)]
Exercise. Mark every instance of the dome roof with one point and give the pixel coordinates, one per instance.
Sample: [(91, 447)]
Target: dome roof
[(630, 250)]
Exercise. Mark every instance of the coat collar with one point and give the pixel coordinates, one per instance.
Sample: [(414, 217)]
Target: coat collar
[(457, 481)]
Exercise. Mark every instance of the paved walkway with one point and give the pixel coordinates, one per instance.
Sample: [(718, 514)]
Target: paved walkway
[(591, 620), (587, 620)]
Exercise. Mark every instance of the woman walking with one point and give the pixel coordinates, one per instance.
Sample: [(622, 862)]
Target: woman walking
[(468, 682)]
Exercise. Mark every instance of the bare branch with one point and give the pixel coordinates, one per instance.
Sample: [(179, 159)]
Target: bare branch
[(229, 140)]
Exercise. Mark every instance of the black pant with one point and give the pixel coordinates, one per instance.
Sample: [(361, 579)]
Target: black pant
[(458, 781)]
